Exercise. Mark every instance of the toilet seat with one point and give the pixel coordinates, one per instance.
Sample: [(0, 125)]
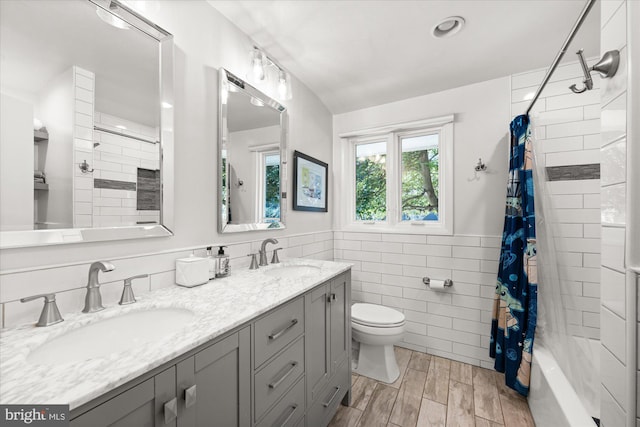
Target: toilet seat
[(376, 316)]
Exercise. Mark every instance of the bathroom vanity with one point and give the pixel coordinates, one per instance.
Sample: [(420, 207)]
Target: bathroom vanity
[(265, 347)]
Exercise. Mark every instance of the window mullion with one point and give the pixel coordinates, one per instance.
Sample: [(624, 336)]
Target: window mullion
[(392, 180)]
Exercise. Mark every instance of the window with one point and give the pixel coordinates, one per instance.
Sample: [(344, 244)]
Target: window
[(400, 177), (371, 181), (270, 186), (420, 173)]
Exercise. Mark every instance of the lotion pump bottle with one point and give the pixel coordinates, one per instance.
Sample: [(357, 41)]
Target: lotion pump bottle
[(222, 263), (212, 263)]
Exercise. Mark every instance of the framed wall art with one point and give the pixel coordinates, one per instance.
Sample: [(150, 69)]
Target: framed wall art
[(309, 183)]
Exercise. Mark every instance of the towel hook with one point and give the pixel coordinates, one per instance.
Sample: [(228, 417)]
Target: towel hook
[(84, 167), (607, 67), (480, 167)]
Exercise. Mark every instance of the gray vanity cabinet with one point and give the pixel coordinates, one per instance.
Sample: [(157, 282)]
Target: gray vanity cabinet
[(328, 342), (213, 386), (288, 367), (140, 406)]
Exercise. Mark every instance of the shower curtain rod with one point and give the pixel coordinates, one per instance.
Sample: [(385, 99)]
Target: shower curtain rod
[(101, 129), (563, 49)]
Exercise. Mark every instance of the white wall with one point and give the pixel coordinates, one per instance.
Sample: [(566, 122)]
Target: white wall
[(16, 164), (204, 41), (55, 108)]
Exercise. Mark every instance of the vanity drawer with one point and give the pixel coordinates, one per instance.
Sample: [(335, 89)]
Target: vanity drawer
[(277, 376), (277, 329), (321, 411), (288, 411)]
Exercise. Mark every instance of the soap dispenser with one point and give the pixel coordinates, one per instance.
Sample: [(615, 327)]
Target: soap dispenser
[(222, 263), (212, 263)]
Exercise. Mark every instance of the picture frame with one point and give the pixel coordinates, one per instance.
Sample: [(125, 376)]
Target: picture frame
[(309, 183)]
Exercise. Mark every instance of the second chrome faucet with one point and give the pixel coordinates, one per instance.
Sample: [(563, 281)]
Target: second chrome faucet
[(263, 250), (93, 299)]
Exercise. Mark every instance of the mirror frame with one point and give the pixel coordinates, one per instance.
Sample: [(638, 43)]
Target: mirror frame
[(27, 238), (228, 78)]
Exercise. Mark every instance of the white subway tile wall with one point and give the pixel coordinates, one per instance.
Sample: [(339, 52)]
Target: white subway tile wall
[(118, 158), (567, 131), (69, 281), (615, 376), (455, 322), (83, 89)]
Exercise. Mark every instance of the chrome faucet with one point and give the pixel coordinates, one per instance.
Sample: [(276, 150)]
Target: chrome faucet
[(93, 299), (263, 250)]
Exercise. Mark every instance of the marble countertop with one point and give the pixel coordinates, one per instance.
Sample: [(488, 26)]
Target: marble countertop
[(219, 306)]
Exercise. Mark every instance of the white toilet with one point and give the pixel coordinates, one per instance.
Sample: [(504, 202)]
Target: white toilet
[(377, 328)]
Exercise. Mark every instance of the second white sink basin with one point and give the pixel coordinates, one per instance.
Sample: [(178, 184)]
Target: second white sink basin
[(290, 271), (112, 335)]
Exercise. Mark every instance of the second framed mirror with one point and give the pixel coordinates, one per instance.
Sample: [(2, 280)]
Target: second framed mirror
[(252, 148)]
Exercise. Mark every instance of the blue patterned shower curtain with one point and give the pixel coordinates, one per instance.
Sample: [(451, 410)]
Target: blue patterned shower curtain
[(515, 301)]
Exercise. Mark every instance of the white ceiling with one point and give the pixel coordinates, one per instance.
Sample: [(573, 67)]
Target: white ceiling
[(357, 54)]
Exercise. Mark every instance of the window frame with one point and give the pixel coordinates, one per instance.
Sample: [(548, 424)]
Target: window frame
[(393, 134), (261, 169)]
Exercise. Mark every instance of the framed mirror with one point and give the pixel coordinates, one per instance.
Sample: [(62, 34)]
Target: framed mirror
[(86, 144), (252, 148)]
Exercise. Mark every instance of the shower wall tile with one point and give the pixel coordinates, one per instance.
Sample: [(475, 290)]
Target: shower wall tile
[(613, 336), (614, 119), (614, 377), (571, 100), (613, 244), (612, 291), (614, 163), (614, 204), (608, 9), (611, 413), (582, 127), (565, 158)]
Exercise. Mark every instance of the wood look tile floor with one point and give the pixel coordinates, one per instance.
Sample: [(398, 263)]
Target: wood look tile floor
[(433, 391)]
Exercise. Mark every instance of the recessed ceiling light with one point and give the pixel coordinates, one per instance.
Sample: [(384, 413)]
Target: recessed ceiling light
[(448, 27)]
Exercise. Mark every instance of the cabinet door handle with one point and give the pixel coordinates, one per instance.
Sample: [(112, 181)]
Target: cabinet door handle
[(331, 298), (278, 334), (170, 410), (190, 396), (333, 396), (294, 408), (284, 376)]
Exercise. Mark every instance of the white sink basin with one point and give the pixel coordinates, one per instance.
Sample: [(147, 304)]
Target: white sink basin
[(292, 271), (112, 335)]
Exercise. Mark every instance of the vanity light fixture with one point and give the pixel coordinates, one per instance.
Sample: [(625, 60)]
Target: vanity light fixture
[(262, 67), (447, 27), (110, 18)]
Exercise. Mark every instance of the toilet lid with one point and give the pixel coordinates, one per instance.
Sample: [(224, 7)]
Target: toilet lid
[(375, 315)]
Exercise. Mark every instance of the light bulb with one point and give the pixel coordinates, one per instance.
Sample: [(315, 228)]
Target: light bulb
[(257, 63), (282, 85)]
